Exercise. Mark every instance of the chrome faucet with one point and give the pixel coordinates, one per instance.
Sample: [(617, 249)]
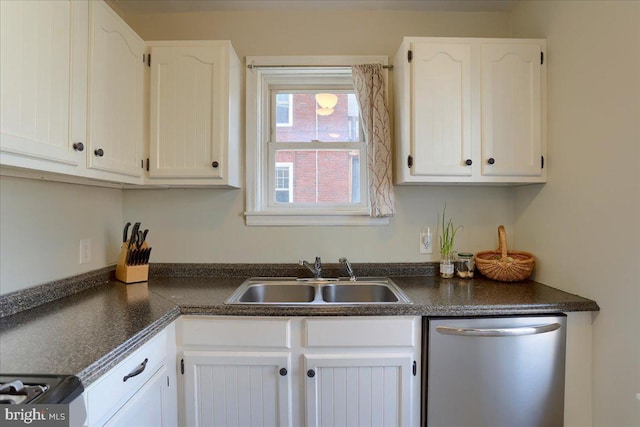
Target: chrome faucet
[(347, 265), (316, 268)]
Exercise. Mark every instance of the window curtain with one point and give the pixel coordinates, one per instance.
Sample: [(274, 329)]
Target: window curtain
[(368, 81)]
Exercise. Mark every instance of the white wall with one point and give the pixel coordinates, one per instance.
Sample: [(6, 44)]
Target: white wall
[(41, 224), (584, 224), (208, 226)]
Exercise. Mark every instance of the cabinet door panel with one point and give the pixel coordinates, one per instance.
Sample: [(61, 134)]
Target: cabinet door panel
[(237, 389), (511, 109), (43, 79), (187, 111), (358, 389), (441, 108), (115, 99)]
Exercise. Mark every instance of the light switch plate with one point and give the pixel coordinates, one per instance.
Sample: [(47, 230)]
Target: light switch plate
[(85, 251)]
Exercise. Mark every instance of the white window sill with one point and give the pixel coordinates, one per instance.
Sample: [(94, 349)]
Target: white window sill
[(304, 219)]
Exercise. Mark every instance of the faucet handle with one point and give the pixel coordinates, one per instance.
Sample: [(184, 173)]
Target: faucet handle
[(347, 265)]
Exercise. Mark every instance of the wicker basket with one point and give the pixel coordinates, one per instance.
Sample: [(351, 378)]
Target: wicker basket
[(503, 265)]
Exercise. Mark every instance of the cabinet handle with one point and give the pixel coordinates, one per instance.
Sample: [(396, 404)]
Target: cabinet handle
[(136, 371), (311, 373), (99, 152), (78, 146), (215, 164), (468, 162), (491, 160), (283, 372)]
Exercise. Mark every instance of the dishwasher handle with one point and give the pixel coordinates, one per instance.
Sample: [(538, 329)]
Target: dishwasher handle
[(498, 332)]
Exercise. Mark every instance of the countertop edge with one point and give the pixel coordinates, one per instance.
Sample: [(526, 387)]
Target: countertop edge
[(101, 366)]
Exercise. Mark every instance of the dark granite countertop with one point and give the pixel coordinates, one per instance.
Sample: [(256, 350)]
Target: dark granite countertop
[(90, 331)]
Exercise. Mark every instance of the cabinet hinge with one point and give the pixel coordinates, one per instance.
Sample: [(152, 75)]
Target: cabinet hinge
[(409, 55), (415, 368), (147, 164), (410, 160), (541, 162), (541, 58), (182, 366)]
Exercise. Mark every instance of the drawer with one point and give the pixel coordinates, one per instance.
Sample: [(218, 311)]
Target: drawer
[(110, 392), (361, 332), (267, 332)]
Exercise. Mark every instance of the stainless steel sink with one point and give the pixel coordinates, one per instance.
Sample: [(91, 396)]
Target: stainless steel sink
[(278, 293), (292, 291), (358, 293)]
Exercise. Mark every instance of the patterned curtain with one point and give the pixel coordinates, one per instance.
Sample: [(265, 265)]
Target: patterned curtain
[(368, 81)]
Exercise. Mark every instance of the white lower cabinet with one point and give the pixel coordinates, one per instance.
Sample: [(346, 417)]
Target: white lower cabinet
[(237, 388), (140, 391), (145, 408), (339, 371), (358, 389)]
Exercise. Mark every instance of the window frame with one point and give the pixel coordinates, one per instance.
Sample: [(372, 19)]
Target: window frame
[(276, 74)]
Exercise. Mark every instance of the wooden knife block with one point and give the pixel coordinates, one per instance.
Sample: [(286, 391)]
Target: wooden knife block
[(131, 273)]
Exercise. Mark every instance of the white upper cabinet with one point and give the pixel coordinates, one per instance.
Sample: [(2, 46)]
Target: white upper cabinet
[(43, 84), (115, 95), (470, 111), (194, 114), (441, 105), (511, 109)]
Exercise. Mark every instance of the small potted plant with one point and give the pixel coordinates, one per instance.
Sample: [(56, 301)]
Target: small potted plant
[(447, 238)]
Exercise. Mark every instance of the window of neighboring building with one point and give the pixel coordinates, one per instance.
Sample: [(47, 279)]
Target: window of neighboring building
[(284, 112), (283, 182), (305, 147)]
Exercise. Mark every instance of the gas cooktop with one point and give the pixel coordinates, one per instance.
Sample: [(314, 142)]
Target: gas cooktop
[(38, 389)]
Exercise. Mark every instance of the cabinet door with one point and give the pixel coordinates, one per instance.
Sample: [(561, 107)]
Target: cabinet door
[(149, 406), (43, 48), (511, 110), (441, 109), (358, 389), (115, 94), (188, 111), (237, 388)]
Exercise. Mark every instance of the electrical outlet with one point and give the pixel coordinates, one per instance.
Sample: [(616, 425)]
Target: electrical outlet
[(85, 251), (426, 243)]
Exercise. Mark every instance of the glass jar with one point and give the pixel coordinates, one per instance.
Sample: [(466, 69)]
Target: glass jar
[(446, 266), (465, 265)]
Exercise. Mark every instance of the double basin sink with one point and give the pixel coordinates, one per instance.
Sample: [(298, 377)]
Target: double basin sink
[(292, 291)]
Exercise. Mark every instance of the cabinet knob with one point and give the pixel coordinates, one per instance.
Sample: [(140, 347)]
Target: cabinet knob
[(491, 160), (311, 373), (283, 372), (99, 152), (78, 146), (468, 162), (215, 164)]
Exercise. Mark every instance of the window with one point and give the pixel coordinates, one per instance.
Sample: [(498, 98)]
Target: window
[(284, 112), (305, 145), (283, 183)]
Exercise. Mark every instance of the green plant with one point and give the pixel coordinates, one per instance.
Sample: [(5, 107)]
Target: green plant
[(447, 235)]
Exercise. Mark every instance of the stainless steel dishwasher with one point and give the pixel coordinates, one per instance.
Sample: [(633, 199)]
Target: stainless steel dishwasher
[(494, 372)]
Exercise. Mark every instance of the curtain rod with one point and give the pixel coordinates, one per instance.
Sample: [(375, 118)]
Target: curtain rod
[(252, 66)]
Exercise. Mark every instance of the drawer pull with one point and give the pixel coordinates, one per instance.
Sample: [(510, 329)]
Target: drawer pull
[(136, 371)]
